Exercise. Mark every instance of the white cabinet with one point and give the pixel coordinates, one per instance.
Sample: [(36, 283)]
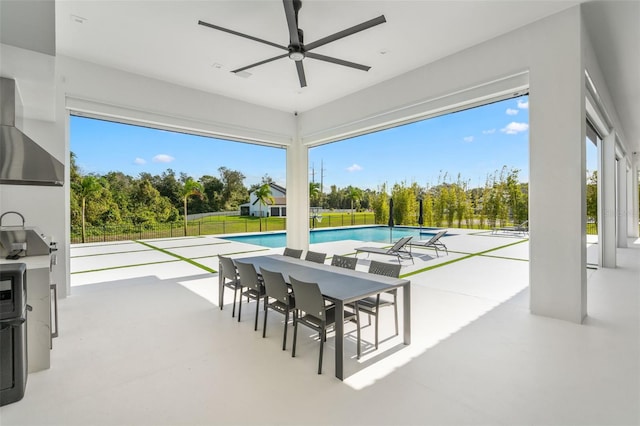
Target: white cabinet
[(38, 319)]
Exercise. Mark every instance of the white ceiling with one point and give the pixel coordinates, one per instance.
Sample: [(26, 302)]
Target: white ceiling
[(161, 39), (614, 30)]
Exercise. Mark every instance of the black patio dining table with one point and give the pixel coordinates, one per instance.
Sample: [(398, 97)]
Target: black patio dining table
[(342, 286)]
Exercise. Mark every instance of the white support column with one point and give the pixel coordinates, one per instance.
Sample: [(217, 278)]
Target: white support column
[(607, 213), (297, 194), (621, 211), (557, 213), (634, 181)]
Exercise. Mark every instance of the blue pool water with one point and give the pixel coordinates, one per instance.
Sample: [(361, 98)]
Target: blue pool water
[(379, 234)]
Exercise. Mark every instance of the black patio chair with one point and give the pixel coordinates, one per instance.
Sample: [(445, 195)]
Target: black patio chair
[(250, 280), (371, 305), (230, 279), (276, 288), (292, 252), (314, 256), (312, 312), (344, 261)]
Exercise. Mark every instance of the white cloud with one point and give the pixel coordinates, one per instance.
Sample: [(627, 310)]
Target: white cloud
[(523, 104), (468, 139), (162, 158), (514, 128), (139, 161), (488, 132), (354, 168), (511, 111)]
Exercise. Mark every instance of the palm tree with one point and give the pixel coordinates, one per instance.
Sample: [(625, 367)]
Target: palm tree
[(88, 186), (263, 194), (354, 194), (314, 191), (191, 188)]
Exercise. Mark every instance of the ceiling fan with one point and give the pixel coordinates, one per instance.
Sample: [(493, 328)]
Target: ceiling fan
[(297, 50)]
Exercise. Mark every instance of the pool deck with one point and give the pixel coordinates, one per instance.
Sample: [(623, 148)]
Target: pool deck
[(142, 341)]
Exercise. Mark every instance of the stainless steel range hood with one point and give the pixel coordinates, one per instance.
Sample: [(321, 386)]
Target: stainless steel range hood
[(22, 161)]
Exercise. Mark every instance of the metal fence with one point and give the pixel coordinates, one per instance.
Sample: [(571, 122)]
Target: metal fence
[(208, 226), (217, 226)]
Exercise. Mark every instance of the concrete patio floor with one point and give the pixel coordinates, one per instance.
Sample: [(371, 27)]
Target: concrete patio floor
[(143, 342)]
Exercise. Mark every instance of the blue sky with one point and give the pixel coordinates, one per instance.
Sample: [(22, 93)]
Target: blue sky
[(474, 143)]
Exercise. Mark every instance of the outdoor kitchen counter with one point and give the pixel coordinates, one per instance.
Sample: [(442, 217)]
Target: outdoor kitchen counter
[(32, 262), (39, 319)]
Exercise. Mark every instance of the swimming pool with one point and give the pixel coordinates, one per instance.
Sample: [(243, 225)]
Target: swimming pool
[(369, 233)]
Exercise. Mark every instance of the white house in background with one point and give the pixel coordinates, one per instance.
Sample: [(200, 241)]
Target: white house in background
[(276, 208)]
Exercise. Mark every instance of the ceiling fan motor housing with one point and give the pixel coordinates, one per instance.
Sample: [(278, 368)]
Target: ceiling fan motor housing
[(296, 52)]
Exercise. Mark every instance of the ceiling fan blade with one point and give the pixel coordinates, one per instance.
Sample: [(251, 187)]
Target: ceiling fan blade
[(292, 21), (345, 33), (337, 61), (226, 30), (301, 76), (261, 62)]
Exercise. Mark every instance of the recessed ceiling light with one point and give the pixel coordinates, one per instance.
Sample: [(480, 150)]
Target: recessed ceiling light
[(243, 74), (216, 65)]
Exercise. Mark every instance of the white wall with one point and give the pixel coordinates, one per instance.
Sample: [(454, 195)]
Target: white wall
[(634, 219), (103, 91)]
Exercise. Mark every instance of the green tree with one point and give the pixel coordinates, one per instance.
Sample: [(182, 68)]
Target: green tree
[(494, 199), (440, 195), (314, 194), (120, 188), (74, 172), (263, 195), (169, 187), (462, 204), (75, 179), (427, 208), (502, 197), (380, 205), (234, 192), (149, 207), (213, 188), (592, 196), (514, 195), (404, 203), (354, 194), (88, 187), (191, 188), (334, 198)]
